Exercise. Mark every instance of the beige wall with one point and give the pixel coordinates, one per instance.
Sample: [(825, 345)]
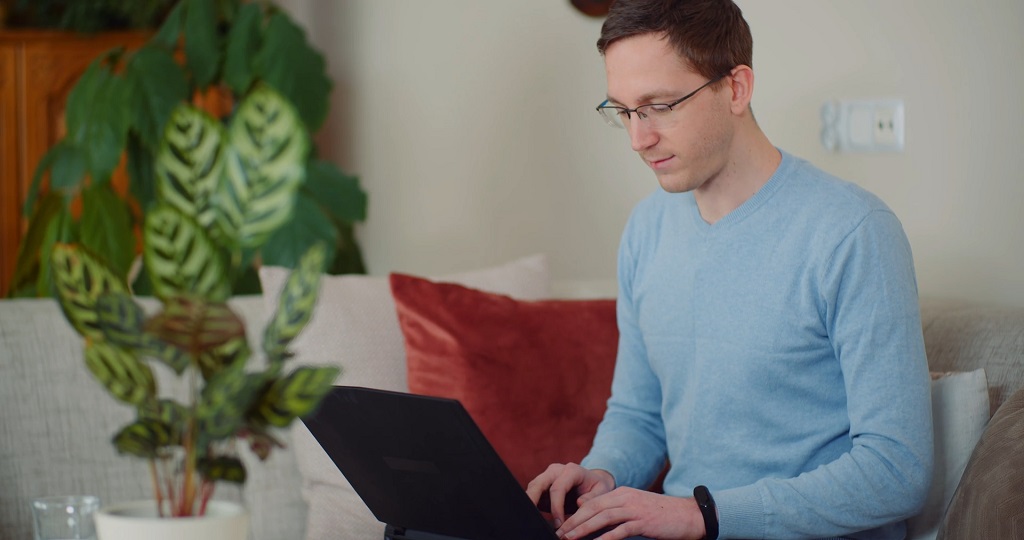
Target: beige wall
[(471, 124)]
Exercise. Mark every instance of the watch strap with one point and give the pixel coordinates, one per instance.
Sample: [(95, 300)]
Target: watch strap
[(708, 511)]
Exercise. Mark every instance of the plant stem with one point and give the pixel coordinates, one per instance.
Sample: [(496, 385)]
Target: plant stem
[(155, 478)]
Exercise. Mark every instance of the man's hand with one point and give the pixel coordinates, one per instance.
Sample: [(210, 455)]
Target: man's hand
[(625, 512), (558, 480)]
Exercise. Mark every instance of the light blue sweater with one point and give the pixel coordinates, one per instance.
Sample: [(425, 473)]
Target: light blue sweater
[(775, 357)]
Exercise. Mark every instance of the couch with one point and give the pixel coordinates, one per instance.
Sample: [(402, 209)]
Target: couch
[(56, 422)]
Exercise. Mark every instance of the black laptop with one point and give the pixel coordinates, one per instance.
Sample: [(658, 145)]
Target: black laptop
[(423, 467)]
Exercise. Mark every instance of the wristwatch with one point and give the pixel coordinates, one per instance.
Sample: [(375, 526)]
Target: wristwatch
[(708, 511)]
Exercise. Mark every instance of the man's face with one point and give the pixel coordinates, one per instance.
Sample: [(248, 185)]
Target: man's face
[(691, 146)]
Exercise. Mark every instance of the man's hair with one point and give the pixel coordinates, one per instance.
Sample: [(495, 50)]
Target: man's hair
[(710, 35)]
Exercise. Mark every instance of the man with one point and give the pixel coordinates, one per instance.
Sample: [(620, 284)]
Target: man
[(770, 340)]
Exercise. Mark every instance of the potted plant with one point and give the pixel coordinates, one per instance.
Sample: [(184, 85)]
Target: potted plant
[(220, 190), (211, 53)]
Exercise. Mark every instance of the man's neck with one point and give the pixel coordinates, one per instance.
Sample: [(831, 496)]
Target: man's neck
[(751, 164)]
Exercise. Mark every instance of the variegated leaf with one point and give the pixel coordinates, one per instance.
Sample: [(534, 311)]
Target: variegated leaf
[(166, 353), (80, 280), (123, 375), (231, 353), (181, 259), (296, 303), (225, 399), (121, 320), (190, 163), (195, 326), (222, 468), (266, 164), (143, 438), (170, 414), (296, 395)]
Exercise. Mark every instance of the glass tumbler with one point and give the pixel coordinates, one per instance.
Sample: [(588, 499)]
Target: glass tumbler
[(65, 517)]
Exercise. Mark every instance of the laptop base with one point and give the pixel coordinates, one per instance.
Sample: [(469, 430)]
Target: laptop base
[(397, 533)]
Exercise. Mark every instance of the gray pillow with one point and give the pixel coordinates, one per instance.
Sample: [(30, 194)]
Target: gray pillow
[(989, 502)]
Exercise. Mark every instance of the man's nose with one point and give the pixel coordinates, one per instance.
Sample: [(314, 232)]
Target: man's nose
[(641, 136)]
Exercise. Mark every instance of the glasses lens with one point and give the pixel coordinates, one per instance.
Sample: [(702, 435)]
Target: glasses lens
[(611, 116)]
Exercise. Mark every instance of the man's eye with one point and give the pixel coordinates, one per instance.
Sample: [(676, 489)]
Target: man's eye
[(656, 109)]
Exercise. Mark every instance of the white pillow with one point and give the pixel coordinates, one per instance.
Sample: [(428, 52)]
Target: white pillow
[(960, 411), (355, 327)]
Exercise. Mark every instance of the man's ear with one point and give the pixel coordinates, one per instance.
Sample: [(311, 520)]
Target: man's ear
[(741, 82)]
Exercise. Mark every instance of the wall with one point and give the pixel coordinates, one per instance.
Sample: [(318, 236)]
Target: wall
[(471, 124)]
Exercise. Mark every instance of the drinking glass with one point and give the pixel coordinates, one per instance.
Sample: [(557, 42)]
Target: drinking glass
[(65, 517)]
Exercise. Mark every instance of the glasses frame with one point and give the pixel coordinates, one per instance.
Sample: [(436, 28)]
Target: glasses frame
[(611, 113)]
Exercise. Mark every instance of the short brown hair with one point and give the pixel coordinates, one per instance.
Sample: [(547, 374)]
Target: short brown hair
[(711, 35)]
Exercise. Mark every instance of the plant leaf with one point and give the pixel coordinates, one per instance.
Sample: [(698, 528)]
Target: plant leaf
[(194, 325), (181, 259), (288, 63), (142, 180), (106, 227), (190, 163), (296, 303), (202, 44), (338, 193), (45, 163), (222, 468), (69, 166), (309, 226), (60, 230), (97, 118), (143, 438), (121, 320), (265, 167), (120, 372), (27, 267), (243, 44), (80, 280), (159, 86), (296, 395), (348, 259), (169, 355), (170, 30), (225, 399), (231, 353)]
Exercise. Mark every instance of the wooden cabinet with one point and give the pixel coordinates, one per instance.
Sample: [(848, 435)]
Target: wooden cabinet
[(37, 71)]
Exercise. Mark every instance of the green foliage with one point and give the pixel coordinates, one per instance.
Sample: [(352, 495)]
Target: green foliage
[(214, 194), (131, 102)]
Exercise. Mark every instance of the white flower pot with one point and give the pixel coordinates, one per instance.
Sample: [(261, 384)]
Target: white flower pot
[(138, 520)]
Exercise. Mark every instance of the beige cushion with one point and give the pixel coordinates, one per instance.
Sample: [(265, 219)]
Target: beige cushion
[(355, 326), (989, 502), (959, 413), (960, 336)]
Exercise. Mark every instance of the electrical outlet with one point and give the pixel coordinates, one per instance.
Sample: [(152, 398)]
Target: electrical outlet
[(888, 126), (869, 125)]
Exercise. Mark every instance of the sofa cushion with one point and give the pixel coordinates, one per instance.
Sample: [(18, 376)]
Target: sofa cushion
[(989, 502), (525, 371), (961, 336), (355, 327), (959, 412)]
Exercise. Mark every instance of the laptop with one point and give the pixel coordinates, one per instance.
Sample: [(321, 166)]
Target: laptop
[(423, 467)]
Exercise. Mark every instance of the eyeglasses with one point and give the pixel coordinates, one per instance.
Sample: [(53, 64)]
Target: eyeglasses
[(654, 115)]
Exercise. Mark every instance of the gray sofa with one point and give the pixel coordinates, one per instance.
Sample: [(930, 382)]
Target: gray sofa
[(55, 421)]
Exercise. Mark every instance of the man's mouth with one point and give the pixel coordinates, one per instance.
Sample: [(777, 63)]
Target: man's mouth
[(660, 163)]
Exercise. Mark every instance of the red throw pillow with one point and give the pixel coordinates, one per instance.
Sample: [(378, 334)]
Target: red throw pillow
[(535, 376)]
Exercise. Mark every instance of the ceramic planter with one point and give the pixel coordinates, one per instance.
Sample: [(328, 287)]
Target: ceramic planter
[(138, 520)]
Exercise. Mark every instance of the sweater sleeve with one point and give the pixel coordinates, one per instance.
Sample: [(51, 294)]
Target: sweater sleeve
[(630, 441), (870, 308)]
